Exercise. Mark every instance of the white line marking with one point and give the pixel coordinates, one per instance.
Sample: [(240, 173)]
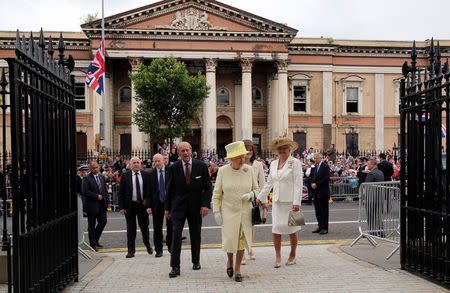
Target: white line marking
[(219, 227)]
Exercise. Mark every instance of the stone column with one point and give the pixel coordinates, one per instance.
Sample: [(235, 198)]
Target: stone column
[(282, 99), (379, 112), (327, 107), (247, 105), (274, 108), (108, 109), (209, 124), (238, 109), (137, 137)]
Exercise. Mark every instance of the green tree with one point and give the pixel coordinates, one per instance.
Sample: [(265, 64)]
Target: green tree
[(168, 98)]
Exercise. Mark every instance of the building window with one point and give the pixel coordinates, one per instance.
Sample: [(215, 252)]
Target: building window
[(125, 94), (256, 97), (223, 97), (299, 98), (80, 98), (352, 98)]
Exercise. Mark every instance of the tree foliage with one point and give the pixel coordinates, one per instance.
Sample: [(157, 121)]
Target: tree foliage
[(168, 98)]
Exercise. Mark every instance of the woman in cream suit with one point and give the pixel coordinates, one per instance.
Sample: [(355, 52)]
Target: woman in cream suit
[(286, 179), (258, 170), (234, 190)]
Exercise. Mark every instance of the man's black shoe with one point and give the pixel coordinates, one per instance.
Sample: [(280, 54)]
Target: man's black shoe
[(99, 245), (317, 230), (150, 250), (159, 254), (323, 232), (196, 267), (129, 255), (174, 272)]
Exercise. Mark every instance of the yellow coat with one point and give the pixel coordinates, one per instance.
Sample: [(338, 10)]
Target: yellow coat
[(230, 186)]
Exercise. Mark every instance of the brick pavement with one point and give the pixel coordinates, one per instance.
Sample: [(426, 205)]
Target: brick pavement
[(320, 268)]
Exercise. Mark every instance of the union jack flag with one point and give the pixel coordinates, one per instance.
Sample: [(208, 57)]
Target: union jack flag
[(96, 71)]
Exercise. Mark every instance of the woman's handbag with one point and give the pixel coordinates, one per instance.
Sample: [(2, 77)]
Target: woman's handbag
[(296, 218), (256, 213)]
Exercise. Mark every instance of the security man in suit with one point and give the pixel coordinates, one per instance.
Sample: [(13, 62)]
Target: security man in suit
[(188, 197), (133, 196), (320, 183), (159, 179), (93, 188)]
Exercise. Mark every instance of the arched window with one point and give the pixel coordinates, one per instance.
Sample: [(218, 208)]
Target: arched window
[(125, 94), (256, 96), (223, 97)]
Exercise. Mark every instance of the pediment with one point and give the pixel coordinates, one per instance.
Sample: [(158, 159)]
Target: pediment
[(187, 16)]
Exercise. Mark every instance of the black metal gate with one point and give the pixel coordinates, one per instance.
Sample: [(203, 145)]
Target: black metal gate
[(43, 167), (424, 142)]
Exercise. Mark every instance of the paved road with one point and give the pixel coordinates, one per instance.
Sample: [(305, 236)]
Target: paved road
[(343, 225)]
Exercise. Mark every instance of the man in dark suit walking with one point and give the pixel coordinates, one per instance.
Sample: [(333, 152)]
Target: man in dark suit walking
[(93, 188), (134, 194), (320, 183), (385, 167), (188, 197), (159, 179)]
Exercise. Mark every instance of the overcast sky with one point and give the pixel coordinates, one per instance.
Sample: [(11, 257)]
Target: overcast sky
[(339, 19)]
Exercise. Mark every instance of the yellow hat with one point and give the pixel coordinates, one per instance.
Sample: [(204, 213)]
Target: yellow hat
[(235, 149), (282, 141)]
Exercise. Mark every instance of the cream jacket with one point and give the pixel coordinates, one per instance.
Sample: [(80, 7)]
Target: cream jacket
[(287, 183)]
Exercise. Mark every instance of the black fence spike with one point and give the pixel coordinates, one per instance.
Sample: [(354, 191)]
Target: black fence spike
[(50, 50), (18, 41), (61, 48), (3, 81), (414, 51), (41, 40)]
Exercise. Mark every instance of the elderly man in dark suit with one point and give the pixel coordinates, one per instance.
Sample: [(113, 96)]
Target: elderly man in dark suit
[(320, 183), (134, 194), (93, 188), (188, 197), (159, 178)]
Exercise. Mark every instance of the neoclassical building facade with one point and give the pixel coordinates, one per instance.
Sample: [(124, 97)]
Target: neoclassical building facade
[(264, 80)]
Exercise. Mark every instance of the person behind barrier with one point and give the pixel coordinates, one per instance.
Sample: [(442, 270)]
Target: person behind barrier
[(93, 188), (286, 179), (320, 183), (133, 194), (159, 179), (385, 167), (373, 201)]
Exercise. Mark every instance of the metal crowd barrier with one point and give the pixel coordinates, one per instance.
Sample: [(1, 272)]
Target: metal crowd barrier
[(113, 193), (344, 188), (379, 213), (81, 240)]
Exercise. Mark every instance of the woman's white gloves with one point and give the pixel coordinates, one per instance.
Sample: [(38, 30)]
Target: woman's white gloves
[(247, 196), (218, 218)]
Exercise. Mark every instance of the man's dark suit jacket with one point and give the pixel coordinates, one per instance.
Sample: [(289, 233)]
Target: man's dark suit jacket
[(182, 198), (322, 179), (387, 169), (375, 175), (126, 189), (91, 191), (153, 200)]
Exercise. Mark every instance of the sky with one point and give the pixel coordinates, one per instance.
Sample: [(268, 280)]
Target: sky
[(338, 19)]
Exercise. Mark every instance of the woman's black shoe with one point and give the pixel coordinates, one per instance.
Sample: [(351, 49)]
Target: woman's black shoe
[(230, 272), (238, 278)]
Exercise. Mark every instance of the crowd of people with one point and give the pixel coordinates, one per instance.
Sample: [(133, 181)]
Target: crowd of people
[(177, 185)]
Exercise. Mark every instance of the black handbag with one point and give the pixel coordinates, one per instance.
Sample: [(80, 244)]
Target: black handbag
[(256, 213)]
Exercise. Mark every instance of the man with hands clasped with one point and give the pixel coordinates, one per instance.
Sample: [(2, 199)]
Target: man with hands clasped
[(133, 197)]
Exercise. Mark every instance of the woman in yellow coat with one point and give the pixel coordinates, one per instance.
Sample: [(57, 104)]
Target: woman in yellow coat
[(234, 190)]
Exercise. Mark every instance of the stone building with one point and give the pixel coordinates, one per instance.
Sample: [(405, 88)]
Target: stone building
[(265, 80)]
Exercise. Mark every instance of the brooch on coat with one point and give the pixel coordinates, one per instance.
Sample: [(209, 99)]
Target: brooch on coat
[(245, 169)]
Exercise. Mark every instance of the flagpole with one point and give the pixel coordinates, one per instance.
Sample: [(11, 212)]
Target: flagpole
[(102, 138)]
